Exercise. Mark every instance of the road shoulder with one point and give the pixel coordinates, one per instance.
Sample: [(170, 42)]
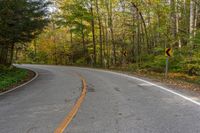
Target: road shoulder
[(180, 88)]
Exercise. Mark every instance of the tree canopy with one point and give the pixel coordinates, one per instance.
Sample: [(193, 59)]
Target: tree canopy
[(20, 22), (130, 34)]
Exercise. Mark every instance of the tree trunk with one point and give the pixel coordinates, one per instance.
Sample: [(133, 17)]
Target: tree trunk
[(4, 54), (83, 40), (145, 27), (107, 44), (191, 20), (110, 24), (11, 54), (191, 27), (71, 43), (93, 34), (100, 33)]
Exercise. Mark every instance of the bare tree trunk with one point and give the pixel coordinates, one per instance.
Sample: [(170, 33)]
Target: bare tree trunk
[(110, 24), (123, 51), (103, 41), (93, 34), (16, 53), (134, 53), (195, 18), (2, 54), (106, 43), (191, 27), (145, 27), (83, 40), (35, 49), (100, 33), (11, 54), (55, 50), (173, 17), (177, 24), (71, 43), (138, 40), (191, 19)]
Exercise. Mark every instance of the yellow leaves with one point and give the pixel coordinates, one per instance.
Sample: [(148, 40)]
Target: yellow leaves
[(62, 3), (50, 40), (174, 80)]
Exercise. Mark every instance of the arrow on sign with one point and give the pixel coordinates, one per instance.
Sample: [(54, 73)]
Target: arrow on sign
[(168, 52), (125, 53)]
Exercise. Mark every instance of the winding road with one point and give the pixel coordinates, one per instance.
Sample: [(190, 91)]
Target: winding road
[(114, 103)]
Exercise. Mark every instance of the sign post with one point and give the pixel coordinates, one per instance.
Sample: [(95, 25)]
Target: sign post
[(92, 60), (124, 56), (168, 53), (167, 67)]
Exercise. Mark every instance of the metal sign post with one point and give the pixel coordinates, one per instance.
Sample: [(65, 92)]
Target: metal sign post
[(167, 67), (168, 53), (92, 60)]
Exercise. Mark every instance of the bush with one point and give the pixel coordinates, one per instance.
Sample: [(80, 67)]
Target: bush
[(81, 61), (157, 64)]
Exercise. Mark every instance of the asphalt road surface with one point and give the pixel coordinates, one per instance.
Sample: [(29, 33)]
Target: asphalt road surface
[(114, 103)]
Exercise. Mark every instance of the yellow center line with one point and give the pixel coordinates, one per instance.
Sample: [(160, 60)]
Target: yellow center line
[(64, 124)]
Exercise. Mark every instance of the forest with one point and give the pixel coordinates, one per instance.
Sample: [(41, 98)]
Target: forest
[(125, 34)]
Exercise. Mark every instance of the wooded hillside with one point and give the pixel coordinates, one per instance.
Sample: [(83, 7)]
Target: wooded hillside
[(121, 33)]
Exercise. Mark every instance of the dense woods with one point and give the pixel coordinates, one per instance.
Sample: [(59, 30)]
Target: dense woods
[(129, 34), (20, 22)]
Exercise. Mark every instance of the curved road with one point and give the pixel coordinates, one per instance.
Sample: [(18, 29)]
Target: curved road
[(114, 103)]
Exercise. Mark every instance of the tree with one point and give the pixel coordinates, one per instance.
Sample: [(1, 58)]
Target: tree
[(128, 32), (20, 22), (77, 18)]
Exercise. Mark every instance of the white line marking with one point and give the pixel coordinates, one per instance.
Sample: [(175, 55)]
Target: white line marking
[(36, 75), (144, 84), (153, 84)]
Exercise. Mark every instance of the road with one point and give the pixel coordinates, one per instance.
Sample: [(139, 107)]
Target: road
[(114, 103)]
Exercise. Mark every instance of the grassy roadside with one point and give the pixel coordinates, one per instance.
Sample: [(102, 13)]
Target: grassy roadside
[(174, 79), (11, 77)]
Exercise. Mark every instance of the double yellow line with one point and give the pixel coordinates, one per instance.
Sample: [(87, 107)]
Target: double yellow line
[(64, 124)]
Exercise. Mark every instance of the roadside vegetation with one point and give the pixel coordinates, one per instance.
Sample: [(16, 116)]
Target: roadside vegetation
[(128, 35), (9, 77), (21, 21)]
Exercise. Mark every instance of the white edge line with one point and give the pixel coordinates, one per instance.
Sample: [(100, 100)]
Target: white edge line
[(8, 91), (153, 84)]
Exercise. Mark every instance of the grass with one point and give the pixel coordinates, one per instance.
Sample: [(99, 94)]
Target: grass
[(176, 75), (10, 77)]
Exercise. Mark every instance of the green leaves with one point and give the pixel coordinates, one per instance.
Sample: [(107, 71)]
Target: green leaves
[(196, 39), (22, 20), (75, 16)]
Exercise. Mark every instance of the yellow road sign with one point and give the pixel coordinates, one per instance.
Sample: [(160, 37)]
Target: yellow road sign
[(168, 52), (125, 53)]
